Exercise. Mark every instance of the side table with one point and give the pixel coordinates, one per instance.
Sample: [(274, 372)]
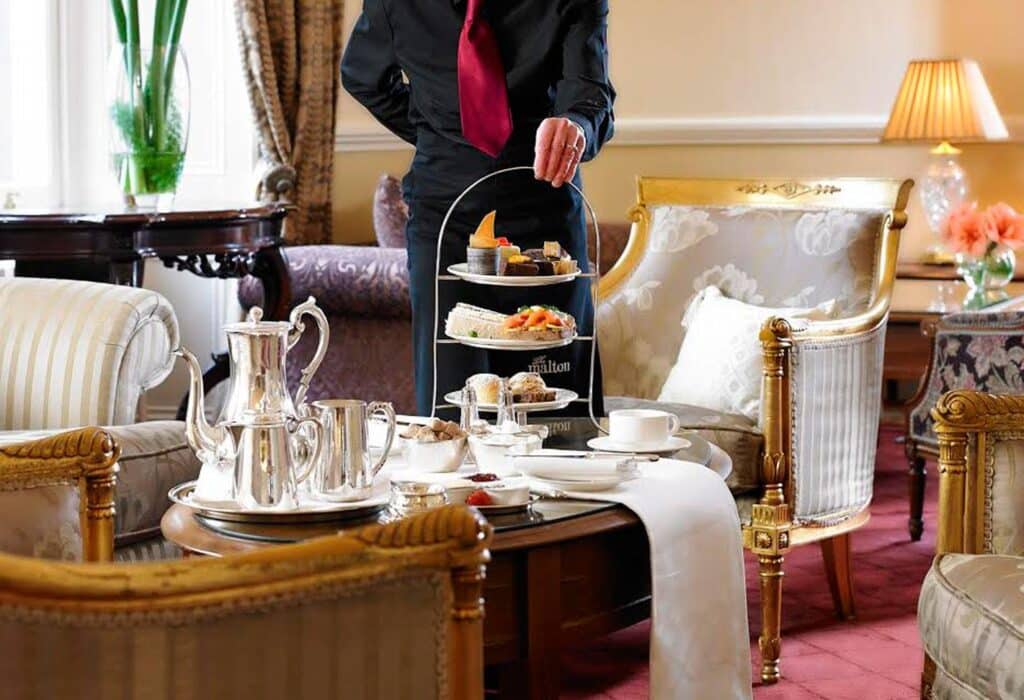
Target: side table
[(214, 242)]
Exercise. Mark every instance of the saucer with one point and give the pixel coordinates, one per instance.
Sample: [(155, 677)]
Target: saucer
[(606, 444)]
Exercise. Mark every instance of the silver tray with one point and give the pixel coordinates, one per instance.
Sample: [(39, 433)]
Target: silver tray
[(318, 512), (507, 510)]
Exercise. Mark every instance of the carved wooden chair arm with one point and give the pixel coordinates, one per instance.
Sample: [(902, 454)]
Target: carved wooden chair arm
[(86, 457)]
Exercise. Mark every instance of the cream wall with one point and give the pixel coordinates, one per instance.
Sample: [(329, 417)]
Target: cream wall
[(741, 87)]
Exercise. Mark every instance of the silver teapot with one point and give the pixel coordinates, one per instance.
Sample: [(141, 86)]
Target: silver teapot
[(264, 437)]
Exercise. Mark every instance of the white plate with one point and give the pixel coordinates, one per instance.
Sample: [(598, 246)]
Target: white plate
[(563, 397), (606, 483), (461, 270), (505, 344), (606, 444)]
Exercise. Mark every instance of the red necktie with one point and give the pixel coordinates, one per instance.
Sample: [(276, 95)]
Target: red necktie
[(483, 95)]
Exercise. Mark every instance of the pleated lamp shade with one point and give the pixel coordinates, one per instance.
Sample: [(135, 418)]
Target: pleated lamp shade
[(943, 101)]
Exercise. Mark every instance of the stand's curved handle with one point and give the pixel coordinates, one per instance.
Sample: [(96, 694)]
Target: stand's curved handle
[(593, 286), (308, 308)]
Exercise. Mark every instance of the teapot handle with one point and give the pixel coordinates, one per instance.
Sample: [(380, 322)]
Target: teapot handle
[(389, 411), (308, 308), (312, 458)]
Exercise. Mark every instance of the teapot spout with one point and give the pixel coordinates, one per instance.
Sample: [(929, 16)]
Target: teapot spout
[(212, 444)]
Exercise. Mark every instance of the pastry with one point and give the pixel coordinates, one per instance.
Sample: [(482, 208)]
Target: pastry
[(482, 256), (533, 323), (545, 266), (486, 387), (529, 387), (552, 249), (520, 266)]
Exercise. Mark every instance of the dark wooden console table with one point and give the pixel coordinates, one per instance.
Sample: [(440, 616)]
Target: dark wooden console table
[(215, 242)]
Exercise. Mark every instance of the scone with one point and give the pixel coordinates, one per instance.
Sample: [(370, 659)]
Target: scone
[(486, 387), (529, 387)]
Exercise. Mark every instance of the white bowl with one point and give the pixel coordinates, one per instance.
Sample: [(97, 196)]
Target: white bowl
[(441, 456), (494, 452)]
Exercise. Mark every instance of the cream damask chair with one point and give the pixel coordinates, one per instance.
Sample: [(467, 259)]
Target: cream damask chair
[(803, 458), (971, 609), (76, 354), (386, 612)]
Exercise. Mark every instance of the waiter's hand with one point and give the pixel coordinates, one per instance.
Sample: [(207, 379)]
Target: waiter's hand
[(560, 144)]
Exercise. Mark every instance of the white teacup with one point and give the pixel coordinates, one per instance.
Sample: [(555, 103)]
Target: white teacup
[(641, 428)]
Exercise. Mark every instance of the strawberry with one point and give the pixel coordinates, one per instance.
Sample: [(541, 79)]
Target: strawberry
[(479, 498)]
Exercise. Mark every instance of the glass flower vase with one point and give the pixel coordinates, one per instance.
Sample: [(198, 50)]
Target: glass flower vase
[(149, 117), (987, 276)]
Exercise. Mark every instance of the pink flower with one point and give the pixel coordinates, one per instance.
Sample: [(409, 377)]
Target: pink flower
[(1005, 226), (967, 231)]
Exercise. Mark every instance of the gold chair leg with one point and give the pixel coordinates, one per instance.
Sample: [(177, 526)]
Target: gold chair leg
[(835, 552), (770, 641)]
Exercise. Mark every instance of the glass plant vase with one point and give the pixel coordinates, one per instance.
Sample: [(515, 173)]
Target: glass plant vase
[(149, 118), (987, 276)]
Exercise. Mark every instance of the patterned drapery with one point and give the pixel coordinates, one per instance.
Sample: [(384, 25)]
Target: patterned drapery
[(291, 50)]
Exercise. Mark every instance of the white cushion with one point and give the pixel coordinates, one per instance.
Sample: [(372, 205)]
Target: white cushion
[(719, 364)]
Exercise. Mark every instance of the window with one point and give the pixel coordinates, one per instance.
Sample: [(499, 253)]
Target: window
[(54, 124), (27, 154)]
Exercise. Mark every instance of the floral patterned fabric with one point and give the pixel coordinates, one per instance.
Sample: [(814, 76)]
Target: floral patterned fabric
[(971, 616), (972, 350), (828, 254), (42, 521)]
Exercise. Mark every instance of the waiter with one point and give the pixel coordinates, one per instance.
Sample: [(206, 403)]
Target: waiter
[(478, 86)]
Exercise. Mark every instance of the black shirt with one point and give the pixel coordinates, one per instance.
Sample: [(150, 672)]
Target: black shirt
[(554, 52)]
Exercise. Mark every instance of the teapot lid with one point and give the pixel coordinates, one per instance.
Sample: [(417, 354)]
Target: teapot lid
[(254, 323)]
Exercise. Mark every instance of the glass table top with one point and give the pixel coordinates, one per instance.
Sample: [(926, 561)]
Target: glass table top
[(564, 434)]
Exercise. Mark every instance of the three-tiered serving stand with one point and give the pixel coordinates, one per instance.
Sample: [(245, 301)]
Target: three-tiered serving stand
[(536, 281)]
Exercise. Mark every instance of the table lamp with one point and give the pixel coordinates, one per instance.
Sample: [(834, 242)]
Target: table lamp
[(942, 102)]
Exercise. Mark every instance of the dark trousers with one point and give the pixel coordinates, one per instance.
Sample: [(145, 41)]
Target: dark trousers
[(529, 213)]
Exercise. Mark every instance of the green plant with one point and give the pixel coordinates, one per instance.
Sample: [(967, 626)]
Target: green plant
[(146, 117)]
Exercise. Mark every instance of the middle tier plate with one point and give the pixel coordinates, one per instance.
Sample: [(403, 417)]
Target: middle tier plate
[(461, 270), (506, 344), (563, 397)]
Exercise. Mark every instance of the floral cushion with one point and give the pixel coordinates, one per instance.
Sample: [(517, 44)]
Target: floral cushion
[(762, 256), (975, 351), (971, 616), (737, 435)]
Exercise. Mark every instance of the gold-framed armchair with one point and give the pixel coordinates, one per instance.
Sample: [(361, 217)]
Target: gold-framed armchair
[(58, 495), (385, 611), (803, 467), (971, 607)]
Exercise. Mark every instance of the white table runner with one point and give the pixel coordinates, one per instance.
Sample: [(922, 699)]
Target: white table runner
[(699, 637)]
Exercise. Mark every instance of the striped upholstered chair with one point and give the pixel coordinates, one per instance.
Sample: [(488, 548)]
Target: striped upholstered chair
[(76, 354), (971, 609), (390, 612), (803, 448)]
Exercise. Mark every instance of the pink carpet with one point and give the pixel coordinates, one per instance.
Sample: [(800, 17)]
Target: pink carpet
[(876, 657)]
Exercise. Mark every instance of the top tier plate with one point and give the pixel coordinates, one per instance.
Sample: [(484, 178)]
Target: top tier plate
[(461, 270)]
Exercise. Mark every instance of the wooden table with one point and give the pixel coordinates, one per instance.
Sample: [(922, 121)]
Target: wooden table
[(213, 242), (568, 572)]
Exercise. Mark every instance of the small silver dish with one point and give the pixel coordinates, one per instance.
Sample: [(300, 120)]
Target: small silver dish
[(409, 497), (440, 456)]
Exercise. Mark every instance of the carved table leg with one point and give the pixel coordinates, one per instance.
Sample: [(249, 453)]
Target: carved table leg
[(271, 269), (917, 477)]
